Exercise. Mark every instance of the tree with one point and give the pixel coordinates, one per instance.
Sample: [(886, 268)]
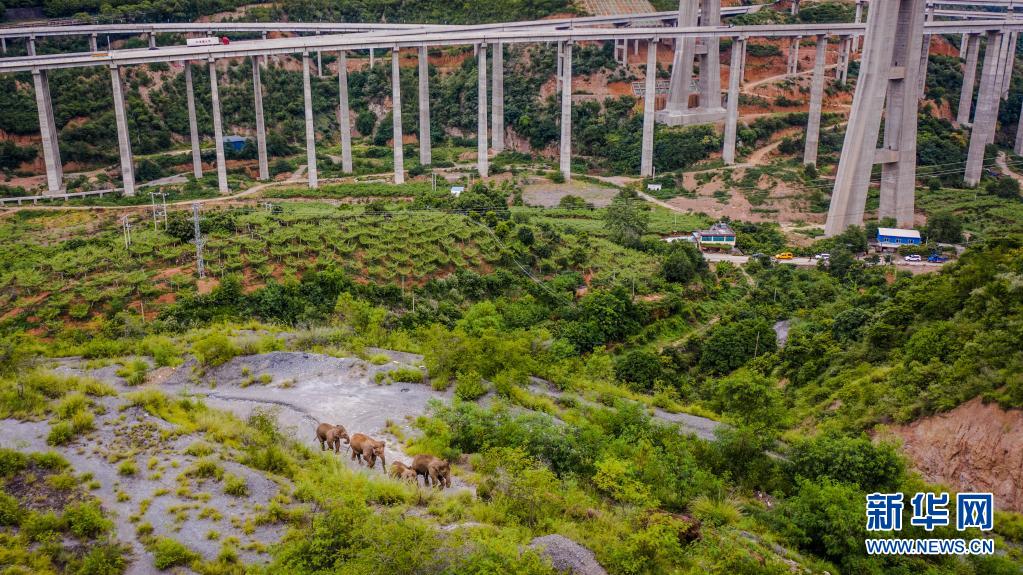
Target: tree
[(854, 460), (627, 219), (944, 227), (751, 399), (639, 368), (729, 345), (1007, 188), (683, 263)]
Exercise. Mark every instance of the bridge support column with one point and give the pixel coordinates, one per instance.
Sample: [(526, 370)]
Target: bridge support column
[(497, 114), (425, 144), (1000, 74), (794, 56), (3, 44), (566, 113), (310, 128), (482, 147), (152, 40), (888, 71), (1018, 145), (399, 147), (560, 62), (857, 19), (732, 118), (986, 116), (795, 7), (265, 60), (925, 53), (193, 124), (257, 97), (646, 164), (687, 52), (813, 123), (962, 45), (319, 62), (31, 47), (372, 57), (48, 131), (842, 74), (93, 43), (344, 114), (1009, 64), (969, 78), (218, 130), (123, 141)]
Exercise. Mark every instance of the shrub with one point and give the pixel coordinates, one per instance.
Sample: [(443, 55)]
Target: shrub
[(11, 462), (61, 433), (10, 512), (214, 349), (407, 375), (86, 521), (716, 513), (41, 526), (235, 485), (104, 559), (170, 553), (127, 468), (134, 373), (469, 386), (205, 469)]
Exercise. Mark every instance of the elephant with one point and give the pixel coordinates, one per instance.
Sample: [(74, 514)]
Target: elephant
[(401, 471), (368, 449), (330, 436), (434, 468)]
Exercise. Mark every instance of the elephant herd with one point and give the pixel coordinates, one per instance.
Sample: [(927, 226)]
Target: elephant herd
[(366, 449)]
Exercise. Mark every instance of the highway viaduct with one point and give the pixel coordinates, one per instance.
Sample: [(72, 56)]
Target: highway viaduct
[(890, 84)]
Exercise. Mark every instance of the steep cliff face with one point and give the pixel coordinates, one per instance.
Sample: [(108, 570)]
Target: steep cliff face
[(975, 447)]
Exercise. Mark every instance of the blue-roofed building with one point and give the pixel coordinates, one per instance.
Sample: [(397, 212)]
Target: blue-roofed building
[(720, 235), (895, 237), (236, 143)]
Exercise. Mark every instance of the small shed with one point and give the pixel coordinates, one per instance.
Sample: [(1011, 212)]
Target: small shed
[(896, 237), (235, 143)]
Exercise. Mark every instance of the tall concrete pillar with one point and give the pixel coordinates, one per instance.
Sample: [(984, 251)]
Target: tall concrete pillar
[(888, 71), (193, 124), (344, 116), (646, 164), (497, 117), (857, 19), (813, 122), (710, 62), (986, 116), (218, 130), (152, 40), (3, 44), (123, 141), (1003, 48), (682, 61), (1010, 63), (925, 53), (425, 144), (732, 105), (264, 61), (795, 7), (31, 46), (372, 57), (969, 79), (310, 128), (794, 56), (482, 148), (566, 113), (962, 45), (93, 47), (319, 61), (560, 62), (1017, 147), (257, 100), (399, 149), (48, 132)]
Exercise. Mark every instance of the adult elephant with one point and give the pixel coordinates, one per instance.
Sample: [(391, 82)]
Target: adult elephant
[(365, 448), (432, 468)]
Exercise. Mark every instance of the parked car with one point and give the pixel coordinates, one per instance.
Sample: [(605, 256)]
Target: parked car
[(783, 256), (824, 257), (936, 259), (913, 258)]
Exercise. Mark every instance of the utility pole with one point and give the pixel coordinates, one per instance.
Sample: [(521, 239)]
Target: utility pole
[(126, 225), (159, 209), (199, 263)]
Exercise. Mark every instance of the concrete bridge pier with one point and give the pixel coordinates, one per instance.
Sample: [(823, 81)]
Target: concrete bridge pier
[(48, 131), (1010, 63), (986, 116), (482, 147), (344, 114), (93, 43), (1017, 147), (257, 97), (310, 128), (3, 44), (925, 53), (31, 46), (735, 73), (687, 53), (497, 93), (888, 79), (560, 62), (151, 36), (857, 19), (813, 124), (793, 67), (646, 164), (123, 141), (969, 79), (372, 57), (218, 130), (193, 125), (425, 145), (399, 147), (842, 70), (566, 113), (319, 61)]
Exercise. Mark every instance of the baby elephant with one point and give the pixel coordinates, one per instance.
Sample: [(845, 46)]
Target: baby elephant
[(434, 468), (401, 471), (368, 449), (330, 436)]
